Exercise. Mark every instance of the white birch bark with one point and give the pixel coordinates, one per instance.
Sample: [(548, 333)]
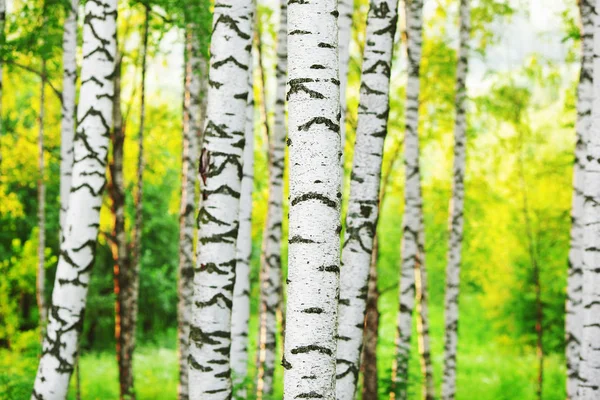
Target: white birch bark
[(314, 218), (422, 301), (67, 125), (573, 318), (271, 258), (240, 312), (456, 207), (589, 366), (221, 172), (412, 195), (195, 88), (346, 9), (363, 206), (83, 215)]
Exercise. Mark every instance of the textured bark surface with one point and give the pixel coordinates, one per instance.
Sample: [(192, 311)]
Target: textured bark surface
[(120, 253), (345, 9), (271, 257), (422, 300), (412, 195), (363, 206), (369, 355), (221, 171), (193, 117), (240, 312), (574, 310), (314, 219), (83, 215), (589, 366), (67, 124), (41, 211), (456, 208)]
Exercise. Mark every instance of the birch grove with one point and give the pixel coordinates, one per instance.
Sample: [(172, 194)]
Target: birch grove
[(271, 279), (218, 218), (589, 364), (227, 261), (456, 208), (88, 179), (309, 358), (412, 195), (363, 206)]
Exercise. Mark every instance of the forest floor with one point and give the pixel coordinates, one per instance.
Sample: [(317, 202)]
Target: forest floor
[(487, 370)]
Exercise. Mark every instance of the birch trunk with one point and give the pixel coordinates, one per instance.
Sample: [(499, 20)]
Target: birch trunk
[(271, 258), (346, 9), (574, 310), (369, 355), (221, 171), (589, 367), (194, 100), (83, 215), (314, 219), (422, 299), (456, 208), (240, 312), (41, 212), (412, 196), (363, 206), (67, 125)]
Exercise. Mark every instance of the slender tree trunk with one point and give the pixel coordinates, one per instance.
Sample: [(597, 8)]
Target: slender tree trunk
[(83, 215), (574, 310), (363, 206), (346, 9), (422, 300), (589, 373), (194, 100), (240, 312), (221, 171), (456, 208), (122, 262), (67, 125), (369, 354), (314, 219), (41, 212), (271, 256), (128, 273), (413, 203)]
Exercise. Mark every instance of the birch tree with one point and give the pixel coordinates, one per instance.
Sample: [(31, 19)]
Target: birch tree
[(456, 207), (240, 312), (221, 171), (88, 179), (67, 125), (363, 206), (346, 10), (412, 195), (589, 365), (193, 117), (314, 219), (574, 311), (271, 258), (422, 299)]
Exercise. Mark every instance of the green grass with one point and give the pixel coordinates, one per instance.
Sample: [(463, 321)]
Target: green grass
[(487, 369)]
